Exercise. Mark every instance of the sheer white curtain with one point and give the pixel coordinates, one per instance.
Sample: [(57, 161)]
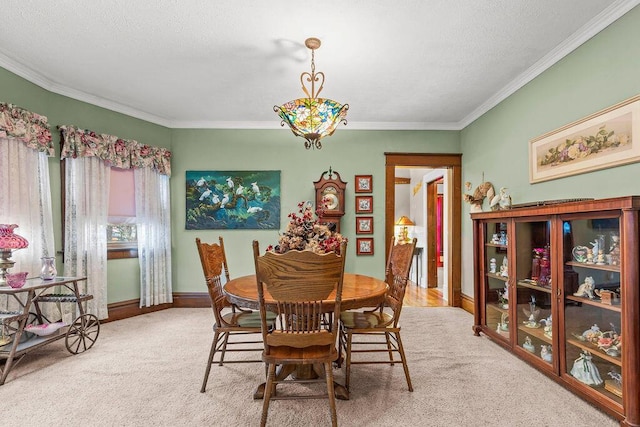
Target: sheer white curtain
[(154, 236), (25, 199), (85, 227)]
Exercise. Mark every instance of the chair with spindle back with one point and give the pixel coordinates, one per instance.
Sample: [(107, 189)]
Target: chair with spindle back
[(297, 284), (229, 319)]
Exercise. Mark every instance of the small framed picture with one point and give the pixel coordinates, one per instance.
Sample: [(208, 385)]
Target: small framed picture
[(364, 183), (364, 225), (364, 246), (364, 204)]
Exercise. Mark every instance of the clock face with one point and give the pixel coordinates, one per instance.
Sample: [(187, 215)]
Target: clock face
[(331, 201)]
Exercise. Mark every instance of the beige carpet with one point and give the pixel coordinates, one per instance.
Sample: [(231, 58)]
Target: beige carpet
[(147, 371)]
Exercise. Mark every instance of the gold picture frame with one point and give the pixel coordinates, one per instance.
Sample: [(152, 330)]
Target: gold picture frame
[(608, 138)]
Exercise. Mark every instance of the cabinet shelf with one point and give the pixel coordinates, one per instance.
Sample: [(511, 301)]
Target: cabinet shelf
[(613, 268), (595, 303), (536, 333), (529, 285), (595, 351), (496, 245), (497, 276)]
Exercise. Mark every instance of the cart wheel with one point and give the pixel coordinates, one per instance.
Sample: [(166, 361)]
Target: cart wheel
[(82, 333)]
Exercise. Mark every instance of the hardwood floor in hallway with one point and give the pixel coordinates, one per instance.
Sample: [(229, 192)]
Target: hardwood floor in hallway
[(416, 296)]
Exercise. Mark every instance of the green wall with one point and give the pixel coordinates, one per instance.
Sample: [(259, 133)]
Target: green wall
[(600, 73), (123, 275), (347, 152)]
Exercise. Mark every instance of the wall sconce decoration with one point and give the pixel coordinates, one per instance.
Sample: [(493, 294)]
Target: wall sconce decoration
[(9, 242), (312, 118), (404, 222)]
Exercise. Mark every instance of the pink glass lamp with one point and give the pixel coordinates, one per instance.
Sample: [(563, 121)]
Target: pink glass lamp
[(312, 118), (9, 242)]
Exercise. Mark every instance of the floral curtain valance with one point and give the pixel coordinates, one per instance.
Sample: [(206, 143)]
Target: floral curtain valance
[(30, 128), (118, 152)]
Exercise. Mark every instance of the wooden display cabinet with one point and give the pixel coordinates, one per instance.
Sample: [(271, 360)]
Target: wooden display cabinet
[(563, 294)]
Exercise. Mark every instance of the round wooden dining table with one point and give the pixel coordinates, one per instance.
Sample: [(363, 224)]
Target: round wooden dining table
[(357, 291)]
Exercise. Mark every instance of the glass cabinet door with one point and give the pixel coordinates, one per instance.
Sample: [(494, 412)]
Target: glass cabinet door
[(496, 277), (592, 313), (533, 289)]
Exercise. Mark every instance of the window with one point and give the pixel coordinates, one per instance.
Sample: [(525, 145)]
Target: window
[(122, 241)]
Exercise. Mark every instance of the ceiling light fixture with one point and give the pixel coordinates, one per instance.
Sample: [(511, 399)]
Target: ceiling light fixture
[(312, 118)]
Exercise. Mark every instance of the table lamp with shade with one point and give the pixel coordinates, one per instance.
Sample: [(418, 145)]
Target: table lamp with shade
[(9, 242), (404, 223)]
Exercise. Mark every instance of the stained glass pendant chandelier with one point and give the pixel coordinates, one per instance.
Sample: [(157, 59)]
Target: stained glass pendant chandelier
[(312, 118)]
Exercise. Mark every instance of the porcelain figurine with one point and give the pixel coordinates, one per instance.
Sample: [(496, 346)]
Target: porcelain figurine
[(585, 370), (528, 345), (547, 326), (532, 314), (546, 353), (600, 260), (492, 265), (504, 268), (586, 289)]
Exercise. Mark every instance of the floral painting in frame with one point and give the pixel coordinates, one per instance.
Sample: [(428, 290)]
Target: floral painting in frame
[(605, 139), (364, 246), (232, 200), (364, 225), (364, 204), (364, 183)]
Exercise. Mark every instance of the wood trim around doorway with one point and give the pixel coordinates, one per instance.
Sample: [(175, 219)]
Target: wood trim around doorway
[(452, 162)]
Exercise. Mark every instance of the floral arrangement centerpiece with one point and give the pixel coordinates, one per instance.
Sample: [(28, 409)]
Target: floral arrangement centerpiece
[(305, 231)]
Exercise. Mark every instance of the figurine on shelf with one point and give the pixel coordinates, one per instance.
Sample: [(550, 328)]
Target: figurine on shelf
[(532, 314), (586, 289), (595, 247), (585, 370), (504, 268), (546, 353), (600, 258), (492, 266), (503, 325), (528, 345), (495, 239), (547, 326), (503, 238), (589, 256), (503, 296)]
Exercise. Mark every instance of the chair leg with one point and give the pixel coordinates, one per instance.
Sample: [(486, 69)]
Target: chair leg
[(267, 394), (340, 344), (212, 352), (348, 361), (331, 392), (223, 350), (404, 361), (389, 347)]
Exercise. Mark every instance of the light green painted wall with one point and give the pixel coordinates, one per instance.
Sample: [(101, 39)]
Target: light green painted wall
[(123, 275), (347, 152), (601, 73)]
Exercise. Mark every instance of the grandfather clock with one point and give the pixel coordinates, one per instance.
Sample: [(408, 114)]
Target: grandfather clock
[(331, 190)]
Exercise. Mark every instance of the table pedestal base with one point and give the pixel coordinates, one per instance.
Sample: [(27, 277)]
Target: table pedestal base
[(303, 372)]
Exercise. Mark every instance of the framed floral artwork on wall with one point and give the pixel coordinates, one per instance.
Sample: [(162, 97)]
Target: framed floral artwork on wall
[(364, 204), (605, 139), (364, 183), (364, 246), (232, 200), (364, 225)]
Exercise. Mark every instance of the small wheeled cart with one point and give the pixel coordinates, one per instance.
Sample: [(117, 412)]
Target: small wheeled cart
[(27, 328)]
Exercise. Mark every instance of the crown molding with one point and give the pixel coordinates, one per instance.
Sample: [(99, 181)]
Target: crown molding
[(590, 29)]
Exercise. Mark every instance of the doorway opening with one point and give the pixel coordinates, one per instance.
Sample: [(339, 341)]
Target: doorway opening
[(444, 175)]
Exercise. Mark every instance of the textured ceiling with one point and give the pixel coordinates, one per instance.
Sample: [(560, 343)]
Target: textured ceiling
[(410, 64)]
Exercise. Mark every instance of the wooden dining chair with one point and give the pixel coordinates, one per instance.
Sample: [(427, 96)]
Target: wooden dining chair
[(298, 285), (230, 320), (383, 321)]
